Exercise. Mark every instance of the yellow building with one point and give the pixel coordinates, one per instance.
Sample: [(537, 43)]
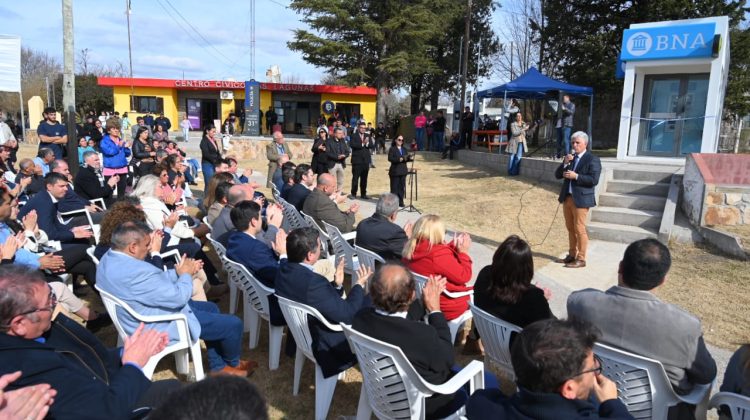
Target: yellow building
[(297, 106)]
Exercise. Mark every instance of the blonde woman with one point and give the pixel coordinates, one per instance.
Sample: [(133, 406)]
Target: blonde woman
[(427, 253), (516, 144)]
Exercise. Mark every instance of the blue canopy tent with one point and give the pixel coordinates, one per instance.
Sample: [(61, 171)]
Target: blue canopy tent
[(535, 85)]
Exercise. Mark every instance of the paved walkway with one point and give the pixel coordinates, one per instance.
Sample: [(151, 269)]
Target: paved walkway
[(600, 273)]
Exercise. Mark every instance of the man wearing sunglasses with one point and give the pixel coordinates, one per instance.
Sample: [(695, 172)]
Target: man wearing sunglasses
[(558, 377), (90, 380)]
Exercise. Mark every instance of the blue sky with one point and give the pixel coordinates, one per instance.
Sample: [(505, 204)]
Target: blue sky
[(164, 45)]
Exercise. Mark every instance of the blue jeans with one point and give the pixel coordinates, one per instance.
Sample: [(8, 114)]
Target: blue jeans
[(222, 334), (208, 173), (438, 138), (420, 138), (563, 141), (514, 161)]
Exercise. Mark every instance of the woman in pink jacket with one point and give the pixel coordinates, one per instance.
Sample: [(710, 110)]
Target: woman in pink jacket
[(420, 122)]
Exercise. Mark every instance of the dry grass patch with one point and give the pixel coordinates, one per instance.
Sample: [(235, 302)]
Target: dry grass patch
[(742, 232)]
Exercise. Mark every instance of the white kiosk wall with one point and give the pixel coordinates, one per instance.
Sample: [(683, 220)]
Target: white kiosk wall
[(673, 92)]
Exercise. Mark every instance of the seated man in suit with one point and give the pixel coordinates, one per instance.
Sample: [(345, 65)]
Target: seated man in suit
[(632, 318), (71, 201), (90, 379), (297, 281), (45, 204), (240, 179), (320, 206), (304, 179), (151, 291), (27, 169), (287, 179), (89, 182), (427, 346), (557, 376), (380, 234), (223, 226)]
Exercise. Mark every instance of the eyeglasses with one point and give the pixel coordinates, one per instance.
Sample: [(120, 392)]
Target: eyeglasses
[(51, 307), (597, 370)]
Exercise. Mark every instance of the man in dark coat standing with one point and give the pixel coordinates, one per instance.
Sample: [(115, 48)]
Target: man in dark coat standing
[(581, 173), (360, 143)]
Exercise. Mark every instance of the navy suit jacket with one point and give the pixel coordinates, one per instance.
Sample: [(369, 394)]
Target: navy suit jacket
[(382, 237), (589, 168), (46, 212), (300, 284), (261, 261), (71, 201), (297, 195)]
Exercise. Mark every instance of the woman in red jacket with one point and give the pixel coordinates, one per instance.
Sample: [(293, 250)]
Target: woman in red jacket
[(427, 253)]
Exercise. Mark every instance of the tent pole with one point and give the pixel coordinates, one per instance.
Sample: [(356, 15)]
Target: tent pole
[(23, 121), (502, 117), (591, 113)]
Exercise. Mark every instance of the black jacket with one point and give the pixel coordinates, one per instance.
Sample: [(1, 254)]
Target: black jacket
[(90, 380), (398, 161), (88, 185), (360, 151), (382, 237), (428, 347), (589, 168), (526, 405), (36, 185), (531, 307), (297, 195), (335, 148), (140, 152), (319, 162), (209, 153)]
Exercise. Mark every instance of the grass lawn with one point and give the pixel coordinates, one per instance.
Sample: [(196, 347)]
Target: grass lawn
[(491, 207)]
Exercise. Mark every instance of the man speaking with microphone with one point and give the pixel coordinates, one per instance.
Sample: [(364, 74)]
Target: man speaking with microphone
[(580, 170)]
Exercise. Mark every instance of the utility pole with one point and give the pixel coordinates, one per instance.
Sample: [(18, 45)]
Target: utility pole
[(252, 39), (465, 69), (69, 84), (541, 37), (130, 56)]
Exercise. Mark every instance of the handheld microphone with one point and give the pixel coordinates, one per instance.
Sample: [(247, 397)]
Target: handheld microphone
[(570, 162)]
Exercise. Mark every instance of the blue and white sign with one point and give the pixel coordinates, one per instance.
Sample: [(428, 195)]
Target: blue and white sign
[(668, 42), (328, 107), (252, 105)]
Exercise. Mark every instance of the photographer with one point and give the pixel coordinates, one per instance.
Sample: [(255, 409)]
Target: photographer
[(398, 156)]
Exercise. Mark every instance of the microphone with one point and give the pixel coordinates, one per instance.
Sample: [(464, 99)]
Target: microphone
[(570, 162)]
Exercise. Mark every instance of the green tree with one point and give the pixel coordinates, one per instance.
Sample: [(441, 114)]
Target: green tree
[(380, 43), (89, 95)]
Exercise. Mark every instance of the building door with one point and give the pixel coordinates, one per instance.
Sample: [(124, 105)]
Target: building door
[(201, 112), (673, 114)]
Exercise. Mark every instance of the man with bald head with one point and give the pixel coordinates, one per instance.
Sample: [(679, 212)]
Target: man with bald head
[(322, 205), (428, 347), (223, 223)]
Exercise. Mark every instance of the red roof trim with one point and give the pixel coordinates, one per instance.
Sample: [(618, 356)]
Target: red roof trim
[(231, 85)]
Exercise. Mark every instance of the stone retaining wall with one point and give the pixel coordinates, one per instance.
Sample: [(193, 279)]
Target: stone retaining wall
[(540, 169), (726, 206), (708, 201), (255, 148)]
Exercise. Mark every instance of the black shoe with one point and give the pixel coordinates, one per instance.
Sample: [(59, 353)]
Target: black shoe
[(364, 197), (351, 196), (98, 323), (193, 183)]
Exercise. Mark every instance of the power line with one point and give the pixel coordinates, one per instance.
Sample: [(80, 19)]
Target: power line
[(280, 4), (197, 31)]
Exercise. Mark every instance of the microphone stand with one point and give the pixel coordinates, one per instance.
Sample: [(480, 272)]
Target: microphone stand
[(413, 187)]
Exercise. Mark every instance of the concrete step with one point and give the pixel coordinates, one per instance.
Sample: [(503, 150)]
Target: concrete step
[(635, 175), (659, 189), (619, 233), (624, 216), (632, 201)]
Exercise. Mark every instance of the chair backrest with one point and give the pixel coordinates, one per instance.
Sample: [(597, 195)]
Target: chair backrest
[(394, 388), (292, 215), (368, 258), (275, 193), (218, 247), (420, 281), (111, 303), (90, 251), (323, 234), (341, 247), (737, 405), (297, 318), (642, 384), (205, 222), (495, 335), (255, 292)]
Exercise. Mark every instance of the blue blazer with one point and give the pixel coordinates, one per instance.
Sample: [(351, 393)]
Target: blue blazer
[(261, 261), (301, 284), (71, 202), (589, 168), (46, 212)]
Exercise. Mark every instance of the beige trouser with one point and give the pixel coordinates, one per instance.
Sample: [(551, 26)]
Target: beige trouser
[(325, 268), (65, 297), (200, 282), (575, 222), (338, 172)]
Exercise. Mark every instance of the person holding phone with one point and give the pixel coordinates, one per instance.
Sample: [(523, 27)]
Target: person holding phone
[(399, 156), (115, 151)]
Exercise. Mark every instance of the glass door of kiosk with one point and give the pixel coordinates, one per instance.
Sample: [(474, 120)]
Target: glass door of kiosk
[(673, 114)]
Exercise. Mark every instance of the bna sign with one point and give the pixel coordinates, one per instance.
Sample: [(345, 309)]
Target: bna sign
[(669, 42)]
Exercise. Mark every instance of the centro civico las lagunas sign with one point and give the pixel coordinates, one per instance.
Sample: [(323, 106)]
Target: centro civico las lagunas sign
[(225, 84), (668, 42)]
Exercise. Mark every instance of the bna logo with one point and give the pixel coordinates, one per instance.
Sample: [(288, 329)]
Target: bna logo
[(639, 44)]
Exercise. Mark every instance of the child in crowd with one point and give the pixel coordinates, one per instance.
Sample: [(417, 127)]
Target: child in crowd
[(83, 147)]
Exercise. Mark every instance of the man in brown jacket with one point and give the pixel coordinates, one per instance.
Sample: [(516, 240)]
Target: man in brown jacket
[(274, 151)]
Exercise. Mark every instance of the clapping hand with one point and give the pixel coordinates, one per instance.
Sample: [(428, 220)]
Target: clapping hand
[(408, 229), (274, 215), (462, 242), (113, 181), (11, 245), (82, 232), (156, 239), (363, 274), (143, 344), (30, 221), (29, 402), (171, 220), (338, 276), (51, 262), (279, 244), (188, 266), (431, 293)]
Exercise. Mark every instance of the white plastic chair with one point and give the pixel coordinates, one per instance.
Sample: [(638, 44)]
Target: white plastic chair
[(324, 239), (454, 324), (292, 216), (233, 289), (392, 388), (342, 249), (738, 405), (256, 306), (368, 258), (205, 222), (643, 385), (296, 315), (275, 193), (495, 335), (96, 229), (183, 349), (99, 201)]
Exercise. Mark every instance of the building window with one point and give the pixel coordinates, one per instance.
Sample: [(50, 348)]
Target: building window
[(147, 103)]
